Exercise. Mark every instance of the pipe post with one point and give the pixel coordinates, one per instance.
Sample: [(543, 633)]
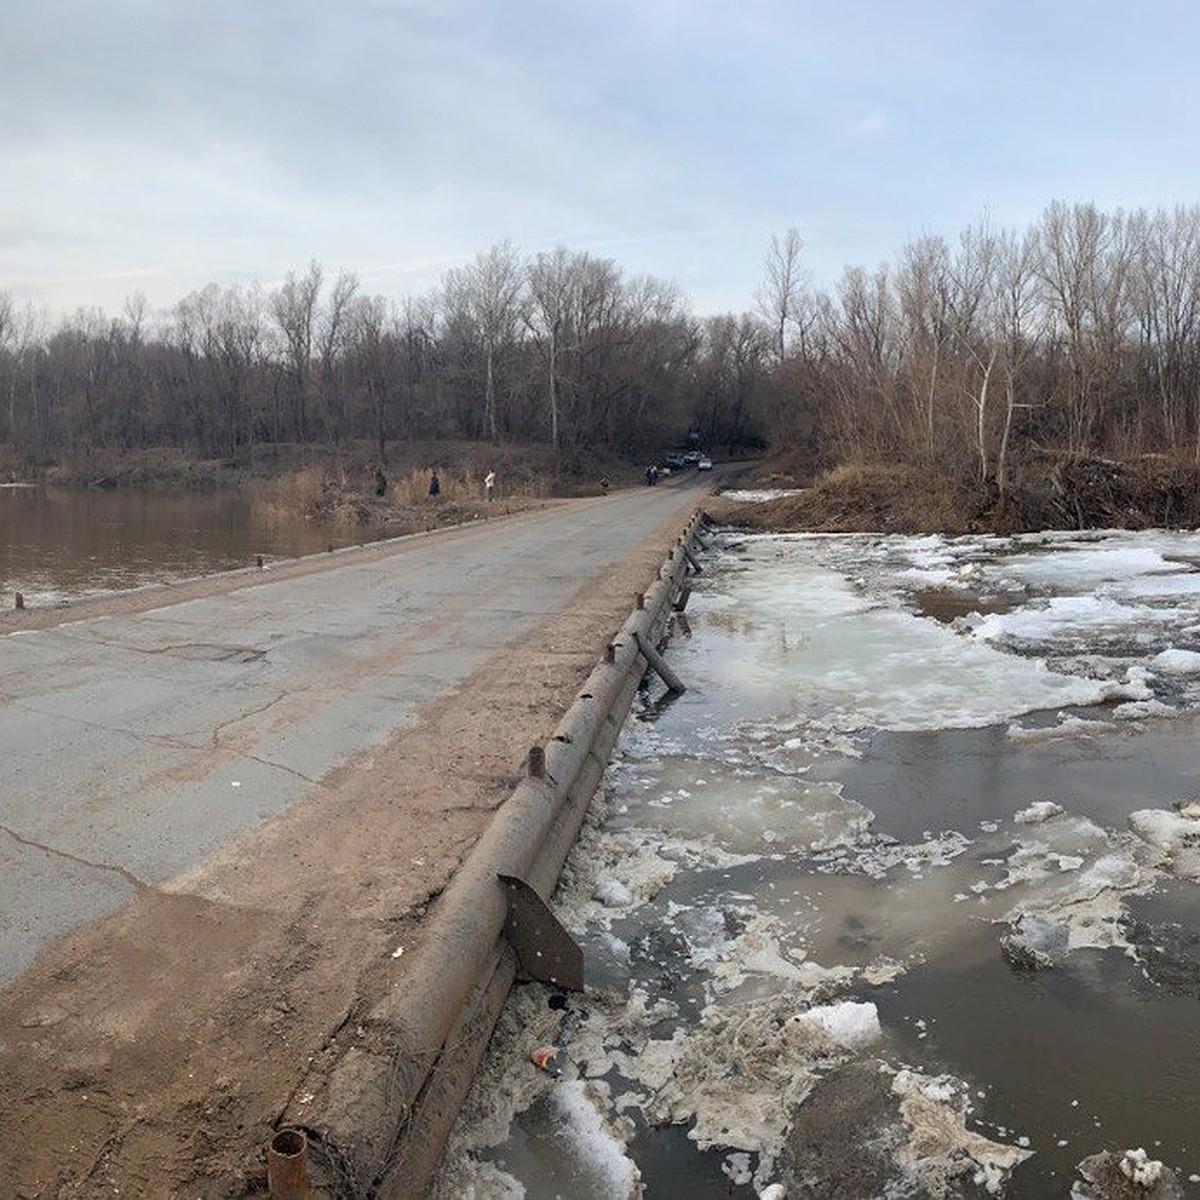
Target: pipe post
[(659, 664), (287, 1166), (537, 762)]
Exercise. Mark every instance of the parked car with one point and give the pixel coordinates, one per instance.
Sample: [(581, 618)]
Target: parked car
[(693, 457), (674, 461), (704, 463)]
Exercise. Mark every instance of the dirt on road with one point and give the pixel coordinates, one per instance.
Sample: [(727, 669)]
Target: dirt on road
[(150, 1055)]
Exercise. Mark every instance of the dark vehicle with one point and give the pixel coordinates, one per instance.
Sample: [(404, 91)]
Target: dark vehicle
[(673, 461)]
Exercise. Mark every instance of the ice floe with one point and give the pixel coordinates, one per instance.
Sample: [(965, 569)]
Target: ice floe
[(940, 1146), (739, 906), (1175, 835)]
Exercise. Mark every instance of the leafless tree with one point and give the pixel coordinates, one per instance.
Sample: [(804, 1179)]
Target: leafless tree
[(781, 298), (331, 333), (925, 293), (553, 277), (1019, 316), (486, 296), (294, 307)]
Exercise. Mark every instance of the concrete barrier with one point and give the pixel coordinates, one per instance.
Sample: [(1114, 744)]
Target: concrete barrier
[(378, 1120)]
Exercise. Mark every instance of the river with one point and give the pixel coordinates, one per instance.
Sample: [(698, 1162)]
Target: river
[(59, 545), (898, 899)]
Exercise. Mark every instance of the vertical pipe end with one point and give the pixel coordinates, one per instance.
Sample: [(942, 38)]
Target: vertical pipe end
[(537, 762), (287, 1165)]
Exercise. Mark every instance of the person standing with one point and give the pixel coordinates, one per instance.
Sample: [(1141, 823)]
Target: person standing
[(435, 485), (489, 484)]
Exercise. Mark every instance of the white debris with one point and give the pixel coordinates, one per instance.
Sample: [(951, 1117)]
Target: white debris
[(1176, 662), (1040, 810), (940, 1146), (736, 1168), (1137, 1167), (849, 1023), (594, 1142), (612, 893), (1176, 835)]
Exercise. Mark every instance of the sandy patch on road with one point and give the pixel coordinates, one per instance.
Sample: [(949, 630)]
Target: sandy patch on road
[(150, 1054)]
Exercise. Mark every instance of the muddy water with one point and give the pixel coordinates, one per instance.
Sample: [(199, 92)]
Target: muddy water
[(865, 911), (58, 544)]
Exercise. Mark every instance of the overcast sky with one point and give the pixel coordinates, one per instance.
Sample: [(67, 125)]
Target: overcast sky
[(155, 146)]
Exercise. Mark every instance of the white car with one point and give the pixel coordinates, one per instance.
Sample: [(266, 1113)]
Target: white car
[(704, 463)]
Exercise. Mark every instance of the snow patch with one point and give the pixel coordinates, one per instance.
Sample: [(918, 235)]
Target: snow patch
[(848, 1023), (594, 1143), (1175, 835)]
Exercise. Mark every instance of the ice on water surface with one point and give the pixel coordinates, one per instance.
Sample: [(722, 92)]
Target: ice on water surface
[(740, 907)]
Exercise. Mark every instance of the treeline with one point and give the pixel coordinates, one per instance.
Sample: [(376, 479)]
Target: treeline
[(560, 348), (1079, 335)]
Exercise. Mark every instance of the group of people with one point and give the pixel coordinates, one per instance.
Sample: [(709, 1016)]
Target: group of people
[(651, 475), (489, 484)]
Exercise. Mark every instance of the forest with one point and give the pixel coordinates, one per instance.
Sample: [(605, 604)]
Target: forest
[(974, 356)]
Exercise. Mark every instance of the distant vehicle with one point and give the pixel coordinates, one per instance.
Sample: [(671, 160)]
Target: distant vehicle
[(674, 461), (704, 463), (693, 457)]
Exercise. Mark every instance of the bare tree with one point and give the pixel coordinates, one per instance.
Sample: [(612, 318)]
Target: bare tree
[(7, 333), (862, 327), (372, 343), (1020, 317), (974, 314), (552, 279), (221, 333), (294, 307), (730, 373), (1084, 264), (1167, 291), (925, 293), (332, 329), (781, 298), (486, 297)]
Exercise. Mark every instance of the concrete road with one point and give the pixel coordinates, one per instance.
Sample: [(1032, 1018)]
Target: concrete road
[(131, 746)]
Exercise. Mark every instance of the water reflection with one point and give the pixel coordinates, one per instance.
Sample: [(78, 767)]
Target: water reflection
[(58, 544)]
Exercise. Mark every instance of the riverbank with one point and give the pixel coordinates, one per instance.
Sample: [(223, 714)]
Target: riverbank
[(350, 487), (520, 466), (1050, 492)]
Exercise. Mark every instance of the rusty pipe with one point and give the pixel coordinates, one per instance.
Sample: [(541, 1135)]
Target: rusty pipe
[(287, 1165)]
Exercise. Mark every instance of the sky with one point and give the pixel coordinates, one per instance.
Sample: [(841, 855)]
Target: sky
[(153, 146)]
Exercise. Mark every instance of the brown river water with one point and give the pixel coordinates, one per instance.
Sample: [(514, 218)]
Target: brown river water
[(59, 545), (900, 899)]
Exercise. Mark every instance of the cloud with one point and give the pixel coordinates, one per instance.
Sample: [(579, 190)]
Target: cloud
[(871, 127), (234, 140)]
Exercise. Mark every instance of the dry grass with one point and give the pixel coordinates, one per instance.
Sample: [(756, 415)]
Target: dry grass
[(858, 497), (1049, 491), (303, 492), (350, 494)]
